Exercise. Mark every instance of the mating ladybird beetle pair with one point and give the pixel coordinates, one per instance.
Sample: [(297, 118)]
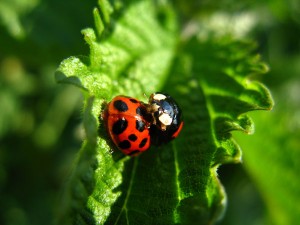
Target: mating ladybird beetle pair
[(134, 126)]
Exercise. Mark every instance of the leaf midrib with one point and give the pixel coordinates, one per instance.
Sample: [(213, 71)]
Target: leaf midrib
[(124, 206)]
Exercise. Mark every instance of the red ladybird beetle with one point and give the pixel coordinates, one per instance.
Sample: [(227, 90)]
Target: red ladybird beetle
[(128, 125), (166, 118)]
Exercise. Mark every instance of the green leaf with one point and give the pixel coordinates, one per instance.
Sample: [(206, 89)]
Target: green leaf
[(212, 81)]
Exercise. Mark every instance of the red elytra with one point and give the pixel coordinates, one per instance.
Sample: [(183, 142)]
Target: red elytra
[(127, 124)]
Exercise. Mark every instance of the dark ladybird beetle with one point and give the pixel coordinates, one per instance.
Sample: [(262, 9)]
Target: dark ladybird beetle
[(127, 123), (166, 118)]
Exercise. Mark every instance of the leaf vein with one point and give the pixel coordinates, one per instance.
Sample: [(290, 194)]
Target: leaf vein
[(124, 207)]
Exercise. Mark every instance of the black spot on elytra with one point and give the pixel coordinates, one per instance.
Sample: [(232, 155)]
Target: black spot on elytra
[(140, 125), (124, 144), (134, 152), (143, 143), (120, 106), (133, 100), (132, 137), (119, 126), (141, 111)]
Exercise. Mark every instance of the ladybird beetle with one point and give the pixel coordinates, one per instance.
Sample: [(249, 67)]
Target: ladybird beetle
[(166, 118), (128, 125)]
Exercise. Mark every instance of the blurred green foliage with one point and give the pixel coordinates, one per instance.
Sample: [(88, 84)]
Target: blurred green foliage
[(38, 118), (40, 121)]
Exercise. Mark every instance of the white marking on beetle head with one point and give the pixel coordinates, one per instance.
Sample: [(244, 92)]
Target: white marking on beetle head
[(165, 119), (159, 97)]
